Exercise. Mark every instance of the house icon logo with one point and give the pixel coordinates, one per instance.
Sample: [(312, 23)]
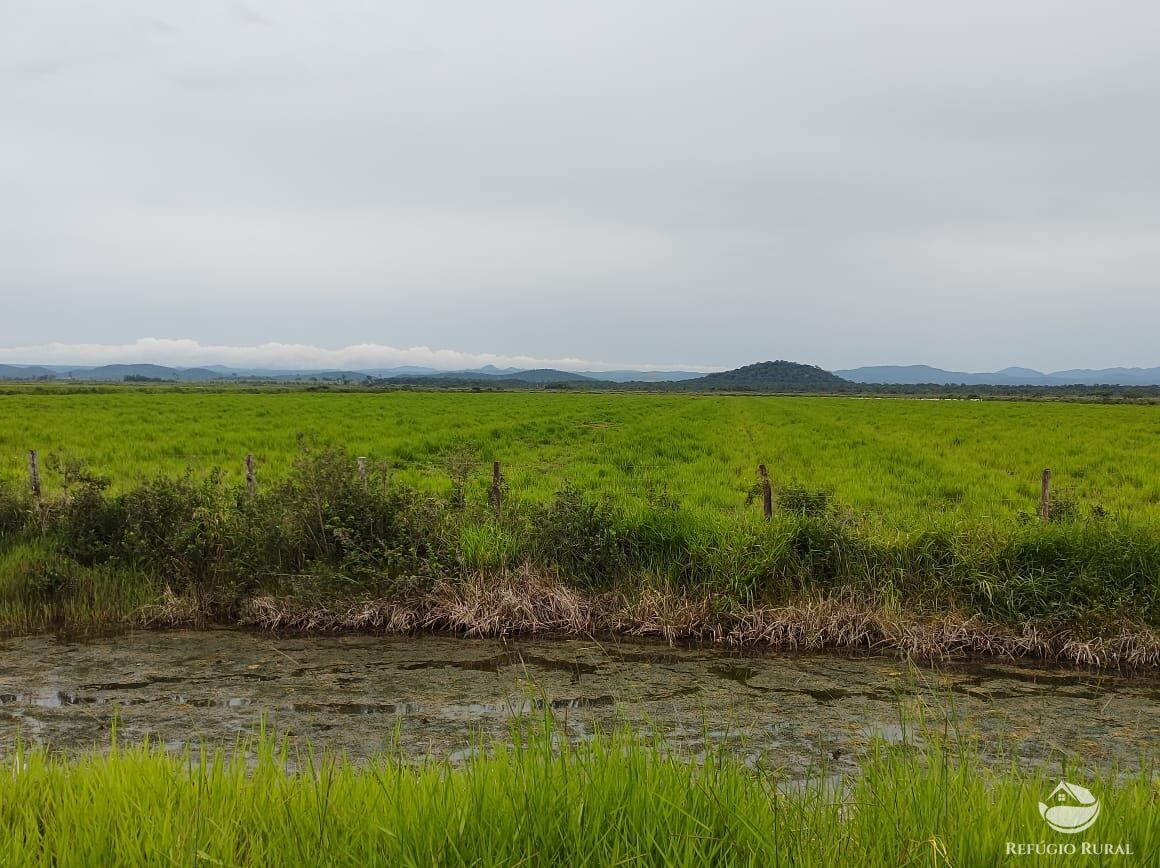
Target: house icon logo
[(1070, 808)]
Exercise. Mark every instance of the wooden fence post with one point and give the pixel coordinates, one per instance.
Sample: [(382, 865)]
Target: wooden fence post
[(496, 479), (34, 473), (1045, 496), (766, 493), (251, 476), (362, 469)]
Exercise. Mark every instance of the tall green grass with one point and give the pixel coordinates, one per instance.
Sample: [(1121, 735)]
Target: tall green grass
[(42, 588), (613, 800)]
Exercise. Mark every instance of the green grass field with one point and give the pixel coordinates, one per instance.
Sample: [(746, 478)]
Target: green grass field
[(895, 463)]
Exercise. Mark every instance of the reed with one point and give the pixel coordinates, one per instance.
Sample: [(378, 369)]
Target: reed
[(526, 604)]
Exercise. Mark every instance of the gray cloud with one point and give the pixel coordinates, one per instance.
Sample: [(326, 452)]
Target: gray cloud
[(971, 185)]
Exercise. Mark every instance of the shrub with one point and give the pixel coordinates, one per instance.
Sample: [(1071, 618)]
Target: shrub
[(799, 500), (88, 522), (350, 533), (182, 527), (579, 536)]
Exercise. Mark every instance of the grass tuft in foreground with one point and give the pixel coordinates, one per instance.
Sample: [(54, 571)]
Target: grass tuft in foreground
[(536, 801)]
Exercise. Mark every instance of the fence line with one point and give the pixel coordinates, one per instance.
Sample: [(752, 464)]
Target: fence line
[(499, 482)]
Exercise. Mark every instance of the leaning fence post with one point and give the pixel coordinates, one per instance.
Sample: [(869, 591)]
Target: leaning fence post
[(1045, 496), (496, 479), (251, 476), (766, 493), (34, 473)]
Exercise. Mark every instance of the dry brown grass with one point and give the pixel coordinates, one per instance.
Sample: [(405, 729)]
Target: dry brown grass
[(523, 603), (172, 611)]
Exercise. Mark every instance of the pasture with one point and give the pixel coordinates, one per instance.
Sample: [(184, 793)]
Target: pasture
[(894, 463)]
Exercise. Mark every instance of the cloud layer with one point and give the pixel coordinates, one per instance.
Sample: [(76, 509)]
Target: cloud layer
[(189, 353)]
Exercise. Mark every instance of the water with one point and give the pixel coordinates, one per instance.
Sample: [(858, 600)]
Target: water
[(436, 695)]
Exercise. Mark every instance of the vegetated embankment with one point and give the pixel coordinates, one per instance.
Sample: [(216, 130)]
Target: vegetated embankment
[(337, 545)]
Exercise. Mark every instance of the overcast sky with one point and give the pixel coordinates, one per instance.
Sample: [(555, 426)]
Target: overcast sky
[(970, 185)]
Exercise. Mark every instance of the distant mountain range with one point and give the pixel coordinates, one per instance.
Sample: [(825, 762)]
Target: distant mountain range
[(119, 372), (25, 372), (919, 374), (109, 373), (771, 376), (764, 376)]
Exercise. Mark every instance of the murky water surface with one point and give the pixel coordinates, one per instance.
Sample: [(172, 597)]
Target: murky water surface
[(432, 694)]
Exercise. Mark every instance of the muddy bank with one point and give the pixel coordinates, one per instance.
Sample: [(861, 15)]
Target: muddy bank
[(436, 695), (526, 605)]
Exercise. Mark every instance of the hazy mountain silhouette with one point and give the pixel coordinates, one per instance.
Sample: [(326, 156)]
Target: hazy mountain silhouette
[(916, 374)]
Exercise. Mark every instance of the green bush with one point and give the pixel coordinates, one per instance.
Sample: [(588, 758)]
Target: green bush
[(89, 523), (799, 500), (325, 513), (579, 536)]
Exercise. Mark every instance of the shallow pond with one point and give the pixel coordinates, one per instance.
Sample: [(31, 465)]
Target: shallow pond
[(436, 694)]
